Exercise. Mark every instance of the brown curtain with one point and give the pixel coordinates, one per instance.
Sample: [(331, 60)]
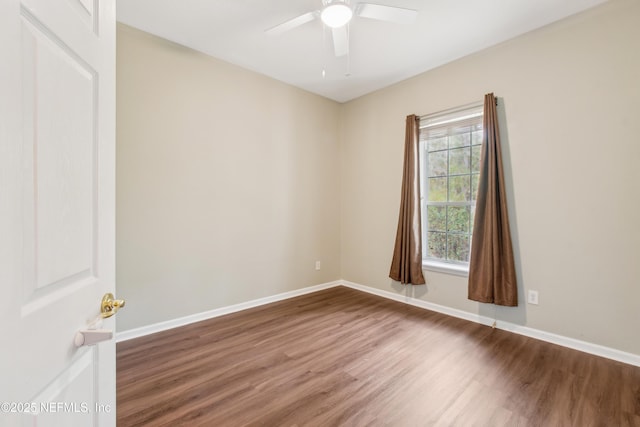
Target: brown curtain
[(492, 274), (406, 266)]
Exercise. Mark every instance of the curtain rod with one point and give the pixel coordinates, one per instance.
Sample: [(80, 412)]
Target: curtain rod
[(455, 109)]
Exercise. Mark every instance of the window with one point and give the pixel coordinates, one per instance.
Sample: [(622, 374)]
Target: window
[(450, 147)]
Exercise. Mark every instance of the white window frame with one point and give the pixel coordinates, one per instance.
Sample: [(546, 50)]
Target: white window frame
[(441, 120)]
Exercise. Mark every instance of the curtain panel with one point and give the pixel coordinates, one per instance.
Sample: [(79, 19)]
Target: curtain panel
[(406, 265), (492, 275)]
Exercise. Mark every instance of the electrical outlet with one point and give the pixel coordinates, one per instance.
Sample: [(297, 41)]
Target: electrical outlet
[(532, 297), (317, 265)]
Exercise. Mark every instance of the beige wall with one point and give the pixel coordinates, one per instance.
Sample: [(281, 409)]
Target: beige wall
[(570, 99), (322, 180), (228, 183)]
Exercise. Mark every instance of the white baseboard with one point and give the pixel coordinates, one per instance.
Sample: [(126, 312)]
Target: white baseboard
[(587, 347), (420, 303), (193, 318)]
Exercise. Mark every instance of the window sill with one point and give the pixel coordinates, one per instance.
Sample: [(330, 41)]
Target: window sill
[(443, 267)]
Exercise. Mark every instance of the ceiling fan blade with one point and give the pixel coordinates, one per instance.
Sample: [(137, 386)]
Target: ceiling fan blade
[(292, 23), (398, 15), (340, 40)]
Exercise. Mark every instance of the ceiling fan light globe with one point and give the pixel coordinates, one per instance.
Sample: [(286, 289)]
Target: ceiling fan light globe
[(336, 15)]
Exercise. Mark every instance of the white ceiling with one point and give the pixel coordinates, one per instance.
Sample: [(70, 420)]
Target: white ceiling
[(381, 53)]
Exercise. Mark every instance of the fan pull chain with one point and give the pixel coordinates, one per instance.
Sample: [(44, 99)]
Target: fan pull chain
[(323, 50), (348, 73)]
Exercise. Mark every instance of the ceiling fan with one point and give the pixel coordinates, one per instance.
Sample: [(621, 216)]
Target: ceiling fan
[(336, 14)]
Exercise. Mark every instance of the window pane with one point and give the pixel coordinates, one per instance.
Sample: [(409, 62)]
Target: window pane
[(459, 140), (476, 137), (458, 247), (437, 218), (434, 144), (458, 218), (460, 188), (436, 245), (437, 191), (475, 158), (437, 163), (459, 161), (475, 179)]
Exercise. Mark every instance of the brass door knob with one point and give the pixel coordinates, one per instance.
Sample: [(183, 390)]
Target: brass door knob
[(110, 305)]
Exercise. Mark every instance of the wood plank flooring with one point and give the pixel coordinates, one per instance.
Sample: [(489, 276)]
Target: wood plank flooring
[(341, 357)]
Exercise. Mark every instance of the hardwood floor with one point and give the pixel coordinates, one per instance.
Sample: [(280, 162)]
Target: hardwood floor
[(341, 357)]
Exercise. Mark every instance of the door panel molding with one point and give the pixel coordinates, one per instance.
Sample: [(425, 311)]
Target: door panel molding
[(60, 156)]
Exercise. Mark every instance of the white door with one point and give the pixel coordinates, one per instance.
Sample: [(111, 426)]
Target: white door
[(57, 210)]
